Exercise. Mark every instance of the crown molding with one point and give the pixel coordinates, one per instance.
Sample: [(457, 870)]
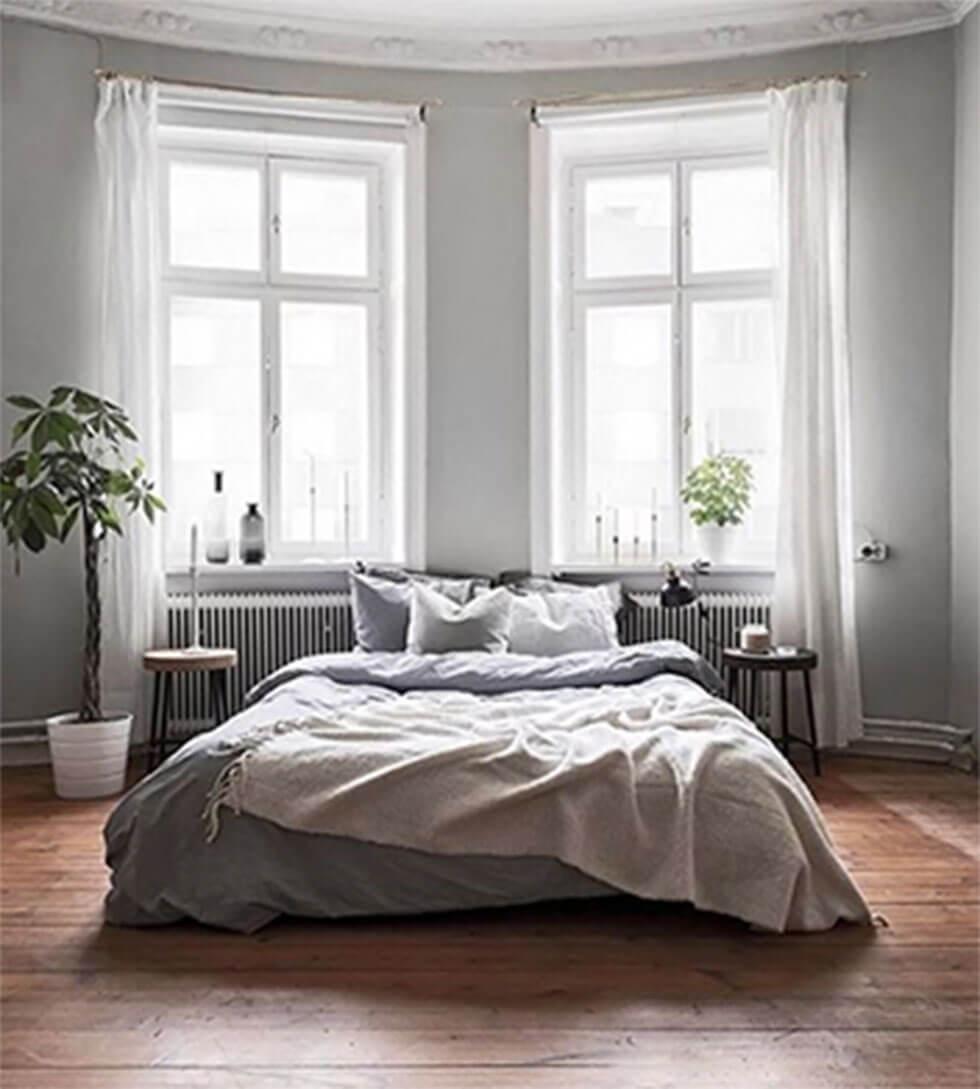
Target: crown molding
[(751, 29)]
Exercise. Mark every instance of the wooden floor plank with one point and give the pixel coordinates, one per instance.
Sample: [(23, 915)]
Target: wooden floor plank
[(607, 995)]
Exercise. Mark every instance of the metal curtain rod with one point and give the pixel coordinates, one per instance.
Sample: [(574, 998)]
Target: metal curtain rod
[(111, 73), (614, 98)]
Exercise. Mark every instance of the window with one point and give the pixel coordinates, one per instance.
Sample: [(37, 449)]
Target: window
[(658, 345), (290, 332)]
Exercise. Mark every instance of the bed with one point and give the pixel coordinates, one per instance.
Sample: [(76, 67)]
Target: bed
[(396, 782)]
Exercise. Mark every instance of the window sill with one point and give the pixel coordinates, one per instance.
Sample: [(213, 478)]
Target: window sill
[(732, 576), (327, 575)]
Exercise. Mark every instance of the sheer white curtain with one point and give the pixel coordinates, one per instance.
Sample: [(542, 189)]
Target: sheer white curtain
[(126, 138), (814, 584)]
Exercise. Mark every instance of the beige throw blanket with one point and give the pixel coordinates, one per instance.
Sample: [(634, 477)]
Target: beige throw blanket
[(658, 789)]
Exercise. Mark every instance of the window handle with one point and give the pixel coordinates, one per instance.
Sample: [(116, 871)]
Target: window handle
[(274, 423), (276, 223)]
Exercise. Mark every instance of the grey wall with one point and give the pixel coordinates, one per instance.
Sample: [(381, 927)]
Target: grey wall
[(965, 383), (901, 149)]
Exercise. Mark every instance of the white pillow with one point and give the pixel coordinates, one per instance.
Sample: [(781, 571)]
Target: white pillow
[(562, 622), (437, 624)]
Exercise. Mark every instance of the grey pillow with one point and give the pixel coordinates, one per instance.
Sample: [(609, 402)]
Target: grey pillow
[(381, 610), (437, 625), (461, 588)]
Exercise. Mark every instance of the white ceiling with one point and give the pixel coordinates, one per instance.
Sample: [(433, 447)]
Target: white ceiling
[(511, 15), (497, 35)]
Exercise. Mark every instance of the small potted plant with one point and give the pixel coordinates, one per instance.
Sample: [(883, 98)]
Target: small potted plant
[(718, 492), (68, 466)]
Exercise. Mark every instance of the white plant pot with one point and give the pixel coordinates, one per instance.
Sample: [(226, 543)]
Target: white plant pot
[(714, 542), (89, 758)]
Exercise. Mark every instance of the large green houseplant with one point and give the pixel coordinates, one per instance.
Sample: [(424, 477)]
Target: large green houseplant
[(718, 492), (70, 465)]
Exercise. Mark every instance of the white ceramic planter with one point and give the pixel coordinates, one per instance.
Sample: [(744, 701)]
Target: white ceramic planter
[(714, 542), (89, 758)]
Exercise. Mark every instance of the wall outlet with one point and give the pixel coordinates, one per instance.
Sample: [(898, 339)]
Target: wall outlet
[(872, 551)]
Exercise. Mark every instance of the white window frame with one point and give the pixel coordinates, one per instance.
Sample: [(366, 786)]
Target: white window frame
[(372, 174), (561, 293), (391, 158)]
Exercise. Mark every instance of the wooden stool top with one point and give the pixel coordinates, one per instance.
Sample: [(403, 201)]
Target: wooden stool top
[(769, 660), (184, 660)]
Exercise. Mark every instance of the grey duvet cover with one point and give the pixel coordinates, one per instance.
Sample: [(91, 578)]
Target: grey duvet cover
[(164, 870)]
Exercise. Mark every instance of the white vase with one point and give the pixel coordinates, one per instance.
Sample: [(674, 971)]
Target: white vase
[(89, 758), (714, 542)]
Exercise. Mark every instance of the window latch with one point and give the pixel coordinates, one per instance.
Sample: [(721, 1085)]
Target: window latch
[(276, 223), (274, 423)]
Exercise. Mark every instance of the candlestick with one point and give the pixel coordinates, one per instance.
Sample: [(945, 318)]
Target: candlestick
[(312, 458), (195, 617), (654, 524), (346, 514)]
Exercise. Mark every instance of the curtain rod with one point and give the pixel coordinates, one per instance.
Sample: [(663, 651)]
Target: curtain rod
[(614, 98), (112, 73)]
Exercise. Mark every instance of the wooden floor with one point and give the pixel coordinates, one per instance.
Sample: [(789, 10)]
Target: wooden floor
[(612, 995)]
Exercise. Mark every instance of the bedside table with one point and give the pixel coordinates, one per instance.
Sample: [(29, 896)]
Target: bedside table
[(163, 664), (802, 661)]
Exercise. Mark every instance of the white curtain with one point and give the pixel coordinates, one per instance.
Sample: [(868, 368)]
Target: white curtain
[(814, 583), (133, 577)]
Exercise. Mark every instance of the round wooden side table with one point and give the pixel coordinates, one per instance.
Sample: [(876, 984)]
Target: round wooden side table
[(802, 661), (163, 664)]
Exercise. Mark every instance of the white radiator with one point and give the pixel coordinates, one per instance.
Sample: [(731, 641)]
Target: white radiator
[(270, 629)]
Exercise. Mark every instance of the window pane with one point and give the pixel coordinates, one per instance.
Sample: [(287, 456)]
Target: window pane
[(324, 223), (215, 216), (732, 219), (628, 226), (215, 410), (628, 469), (734, 404), (325, 438)]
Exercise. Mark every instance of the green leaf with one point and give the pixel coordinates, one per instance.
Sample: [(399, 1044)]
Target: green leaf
[(44, 519), (33, 465), (21, 427), (33, 537), (68, 524), (39, 439), (21, 401), (46, 497)]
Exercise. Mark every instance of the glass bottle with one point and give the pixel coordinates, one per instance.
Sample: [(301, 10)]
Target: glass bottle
[(217, 540), (251, 541)]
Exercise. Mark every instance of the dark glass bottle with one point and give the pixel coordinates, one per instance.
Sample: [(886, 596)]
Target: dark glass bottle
[(251, 540)]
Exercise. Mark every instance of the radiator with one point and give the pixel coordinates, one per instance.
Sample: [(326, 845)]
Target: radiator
[(270, 629), (267, 630), (709, 626)]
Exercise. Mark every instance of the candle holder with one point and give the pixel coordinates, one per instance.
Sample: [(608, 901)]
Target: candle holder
[(195, 646)]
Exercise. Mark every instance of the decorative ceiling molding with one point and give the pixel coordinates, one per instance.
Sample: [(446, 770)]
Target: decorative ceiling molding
[(283, 30)]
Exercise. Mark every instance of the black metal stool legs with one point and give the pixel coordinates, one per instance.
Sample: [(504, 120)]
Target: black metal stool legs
[(168, 699), (151, 750), (812, 722), (218, 685)]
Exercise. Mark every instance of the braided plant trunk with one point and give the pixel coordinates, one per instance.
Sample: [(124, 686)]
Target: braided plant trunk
[(91, 673)]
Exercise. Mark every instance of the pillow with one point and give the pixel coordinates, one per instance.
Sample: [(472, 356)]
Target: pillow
[(437, 624), (380, 611), (557, 622), (461, 588), (540, 584)]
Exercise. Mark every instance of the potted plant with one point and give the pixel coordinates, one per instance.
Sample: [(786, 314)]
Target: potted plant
[(718, 492), (68, 466)]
